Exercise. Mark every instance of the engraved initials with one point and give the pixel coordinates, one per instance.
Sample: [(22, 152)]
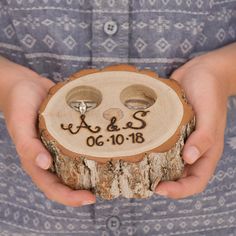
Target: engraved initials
[(129, 125), (83, 124)]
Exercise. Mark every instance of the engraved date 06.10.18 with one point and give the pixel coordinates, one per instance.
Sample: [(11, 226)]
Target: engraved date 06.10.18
[(115, 139)]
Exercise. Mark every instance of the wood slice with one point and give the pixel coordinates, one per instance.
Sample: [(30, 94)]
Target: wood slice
[(130, 137)]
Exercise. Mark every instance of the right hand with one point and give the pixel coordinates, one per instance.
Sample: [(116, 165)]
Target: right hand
[(20, 108)]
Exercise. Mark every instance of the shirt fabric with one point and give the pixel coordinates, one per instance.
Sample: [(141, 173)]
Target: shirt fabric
[(59, 37)]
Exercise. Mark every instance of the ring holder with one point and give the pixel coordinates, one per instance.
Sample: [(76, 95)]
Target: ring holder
[(116, 131)]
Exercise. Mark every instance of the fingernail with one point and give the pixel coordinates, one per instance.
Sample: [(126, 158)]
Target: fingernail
[(87, 203), (43, 161), (192, 154), (162, 192)]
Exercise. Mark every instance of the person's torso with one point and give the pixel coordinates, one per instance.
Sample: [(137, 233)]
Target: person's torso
[(56, 38)]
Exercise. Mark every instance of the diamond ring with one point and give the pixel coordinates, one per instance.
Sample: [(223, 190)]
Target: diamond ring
[(82, 106)]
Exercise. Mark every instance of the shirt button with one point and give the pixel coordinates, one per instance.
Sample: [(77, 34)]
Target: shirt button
[(110, 27), (113, 223)]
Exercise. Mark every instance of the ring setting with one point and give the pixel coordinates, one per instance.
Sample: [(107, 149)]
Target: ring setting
[(82, 106)]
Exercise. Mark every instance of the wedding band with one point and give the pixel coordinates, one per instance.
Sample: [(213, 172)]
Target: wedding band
[(137, 104), (82, 106)]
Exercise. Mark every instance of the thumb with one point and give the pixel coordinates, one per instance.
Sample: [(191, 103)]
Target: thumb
[(204, 135), (22, 128), (197, 144), (32, 150), (42, 157)]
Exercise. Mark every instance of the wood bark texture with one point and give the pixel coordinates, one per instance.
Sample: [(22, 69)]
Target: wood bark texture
[(131, 177)]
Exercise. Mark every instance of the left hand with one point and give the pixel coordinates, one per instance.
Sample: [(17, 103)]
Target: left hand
[(207, 93)]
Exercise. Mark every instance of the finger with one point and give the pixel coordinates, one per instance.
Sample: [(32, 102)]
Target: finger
[(208, 130), (187, 186), (181, 188), (197, 176), (54, 190), (48, 182)]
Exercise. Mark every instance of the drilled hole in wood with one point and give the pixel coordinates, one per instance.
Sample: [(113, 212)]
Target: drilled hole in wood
[(138, 97), (83, 98)]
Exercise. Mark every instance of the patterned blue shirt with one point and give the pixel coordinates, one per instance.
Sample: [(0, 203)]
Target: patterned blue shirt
[(59, 37)]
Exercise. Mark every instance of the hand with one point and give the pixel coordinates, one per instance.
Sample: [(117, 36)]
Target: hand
[(20, 108), (207, 93)]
